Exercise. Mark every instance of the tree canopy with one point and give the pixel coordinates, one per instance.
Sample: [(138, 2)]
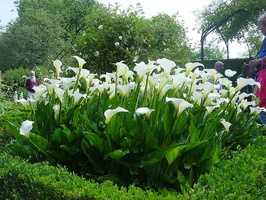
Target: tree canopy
[(231, 19)]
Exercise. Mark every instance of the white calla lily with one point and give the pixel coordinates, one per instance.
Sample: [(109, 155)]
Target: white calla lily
[(190, 66), (144, 111), (242, 82), (25, 128), (57, 64), (226, 125), (111, 112), (229, 73), (81, 62), (167, 65)]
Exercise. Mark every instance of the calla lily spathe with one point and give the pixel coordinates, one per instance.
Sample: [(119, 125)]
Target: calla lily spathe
[(81, 62), (57, 64), (242, 82), (229, 73), (25, 128), (167, 65), (111, 112), (144, 111), (190, 66), (226, 125)]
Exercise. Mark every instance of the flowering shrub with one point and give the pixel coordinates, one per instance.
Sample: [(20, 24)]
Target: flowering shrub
[(157, 125), (110, 35)]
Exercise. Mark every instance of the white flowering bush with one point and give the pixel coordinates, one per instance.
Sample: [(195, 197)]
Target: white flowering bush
[(111, 34), (155, 125)]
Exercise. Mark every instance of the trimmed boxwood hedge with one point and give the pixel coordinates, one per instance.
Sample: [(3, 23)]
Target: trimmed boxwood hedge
[(242, 177), (22, 180)]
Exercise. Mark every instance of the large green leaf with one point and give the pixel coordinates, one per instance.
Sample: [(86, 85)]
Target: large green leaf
[(118, 154), (93, 156), (174, 153), (95, 140), (40, 142), (21, 149)]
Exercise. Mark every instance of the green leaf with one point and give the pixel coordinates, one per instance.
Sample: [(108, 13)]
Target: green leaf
[(57, 135), (70, 150), (174, 153), (22, 150), (118, 154), (94, 157), (40, 142), (95, 140), (193, 132)]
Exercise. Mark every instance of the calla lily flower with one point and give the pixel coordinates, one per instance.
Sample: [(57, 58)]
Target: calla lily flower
[(84, 73), (122, 70), (207, 88), (227, 83), (211, 108), (111, 112), (25, 128), (74, 69), (57, 65), (81, 62), (196, 96), (77, 96), (144, 111), (107, 78), (180, 104), (24, 102), (229, 73), (167, 65), (141, 70), (226, 125), (242, 82), (190, 66), (178, 80), (68, 82), (39, 90), (56, 109), (59, 93), (124, 90)]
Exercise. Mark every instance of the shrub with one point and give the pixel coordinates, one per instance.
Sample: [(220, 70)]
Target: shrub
[(242, 177), (21, 180), (112, 35)]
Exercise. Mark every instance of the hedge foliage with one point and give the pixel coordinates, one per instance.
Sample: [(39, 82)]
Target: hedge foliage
[(21, 180), (242, 177)]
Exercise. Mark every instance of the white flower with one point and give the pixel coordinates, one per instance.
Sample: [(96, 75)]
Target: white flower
[(81, 61), (117, 44), (144, 111), (100, 27), (57, 64), (25, 128), (120, 37), (111, 112), (229, 73), (96, 53), (226, 125), (242, 82), (167, 65)]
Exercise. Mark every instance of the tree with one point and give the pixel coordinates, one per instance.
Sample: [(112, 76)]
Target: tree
[(230, 19), (212, 51), (30, 40)]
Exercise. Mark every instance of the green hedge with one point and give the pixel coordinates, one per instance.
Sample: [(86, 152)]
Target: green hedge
[(21, 180), (242, 177)]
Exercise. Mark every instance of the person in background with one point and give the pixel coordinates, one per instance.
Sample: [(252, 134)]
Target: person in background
[(30, 83), (246, 74), (218, 66), (261, 92)]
